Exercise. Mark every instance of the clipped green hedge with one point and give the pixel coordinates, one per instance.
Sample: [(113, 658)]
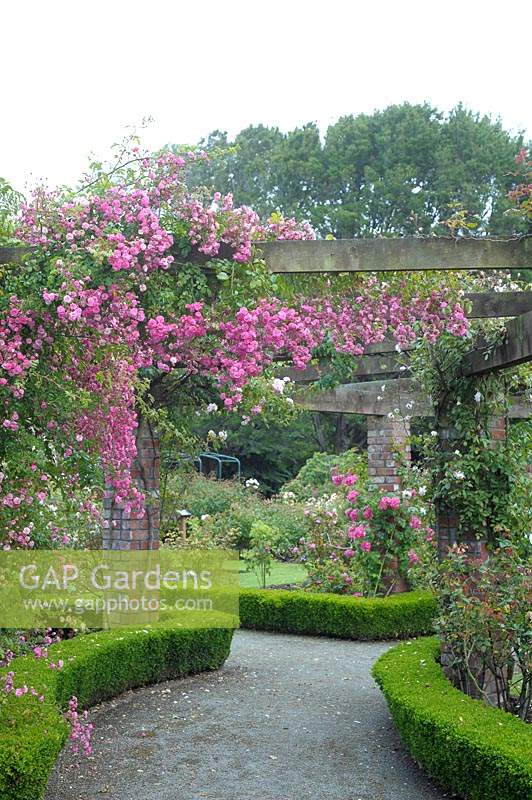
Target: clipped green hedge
[(474, 751), (96, 667), (397, 617)]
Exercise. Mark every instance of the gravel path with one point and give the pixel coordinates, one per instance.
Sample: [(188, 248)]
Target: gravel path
[(287, 718)]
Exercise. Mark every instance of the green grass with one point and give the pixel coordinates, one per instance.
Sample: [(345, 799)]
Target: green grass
[(281, 573)]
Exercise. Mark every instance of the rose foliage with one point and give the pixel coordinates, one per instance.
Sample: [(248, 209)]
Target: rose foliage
[(363, 541), (94, 315), (485, 621)]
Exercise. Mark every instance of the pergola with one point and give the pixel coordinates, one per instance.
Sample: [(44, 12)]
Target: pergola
[(388, 409), (384, 392)]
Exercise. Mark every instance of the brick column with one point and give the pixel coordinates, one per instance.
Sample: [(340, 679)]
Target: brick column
[(449, 533), (447, 522), (385, 436), (124, 531)]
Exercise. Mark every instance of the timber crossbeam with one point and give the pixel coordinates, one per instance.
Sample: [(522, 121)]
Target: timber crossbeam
[(408, 254), (402, 397)]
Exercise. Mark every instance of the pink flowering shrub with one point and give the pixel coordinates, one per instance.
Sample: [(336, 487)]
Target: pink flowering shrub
[(80, 728), (94, 320), (363, 541)]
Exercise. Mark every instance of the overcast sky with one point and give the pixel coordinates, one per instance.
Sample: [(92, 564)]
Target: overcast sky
[(76, 73)]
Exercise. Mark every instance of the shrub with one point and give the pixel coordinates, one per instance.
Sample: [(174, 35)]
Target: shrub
[(474, 751), (260, 555), (362, 540), (199, 495), (240, 518), (96, 667), (314, 477), (486, 623), (288, 518), (230, 510), (396, 617), (202, 534)]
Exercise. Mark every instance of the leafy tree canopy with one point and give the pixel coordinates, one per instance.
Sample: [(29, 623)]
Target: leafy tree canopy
[(399, 171)]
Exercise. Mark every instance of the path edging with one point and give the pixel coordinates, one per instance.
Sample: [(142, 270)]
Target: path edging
[(399, 616), (474, 751), (96, 667)]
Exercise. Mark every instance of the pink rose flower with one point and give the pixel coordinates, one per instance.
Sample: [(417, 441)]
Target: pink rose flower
[(350, 480), (356, 532)]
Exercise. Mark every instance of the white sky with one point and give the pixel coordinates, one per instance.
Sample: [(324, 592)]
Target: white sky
[(76, 73)]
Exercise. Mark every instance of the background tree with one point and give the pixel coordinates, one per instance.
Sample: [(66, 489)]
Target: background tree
[(399, 171), (273, 450)]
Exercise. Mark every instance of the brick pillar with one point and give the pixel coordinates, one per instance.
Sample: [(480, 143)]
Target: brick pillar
[(447, 522), (385, 436), (449, 533), (124, 531)]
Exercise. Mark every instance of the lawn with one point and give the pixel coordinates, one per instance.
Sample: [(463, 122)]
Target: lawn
[(281, 573)]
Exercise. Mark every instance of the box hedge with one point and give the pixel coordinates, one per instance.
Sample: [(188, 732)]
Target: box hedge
[(474, 751), (397, 617), (96, 667)]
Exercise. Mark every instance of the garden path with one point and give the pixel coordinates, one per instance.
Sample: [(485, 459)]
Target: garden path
[(287, 718)]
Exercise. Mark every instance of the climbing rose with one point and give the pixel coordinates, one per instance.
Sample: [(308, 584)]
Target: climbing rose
[(389, 502)]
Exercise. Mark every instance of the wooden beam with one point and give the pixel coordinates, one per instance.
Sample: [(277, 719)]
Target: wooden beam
[(403, 254), (520, 408), (10, 255), (366, 366), (514, 350), (402, 397), (499, 304)]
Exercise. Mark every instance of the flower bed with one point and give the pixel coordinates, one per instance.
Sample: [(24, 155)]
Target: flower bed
[(341, 616), (474, 751), (96, 667)]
